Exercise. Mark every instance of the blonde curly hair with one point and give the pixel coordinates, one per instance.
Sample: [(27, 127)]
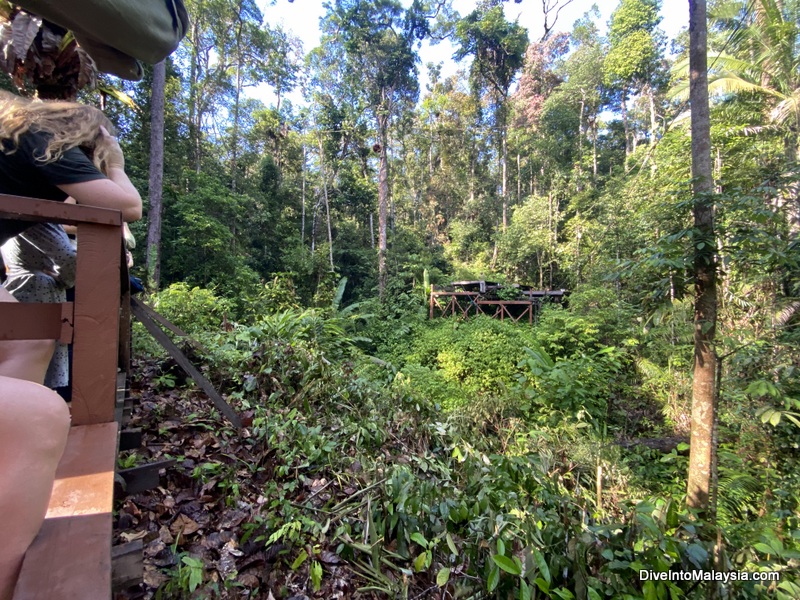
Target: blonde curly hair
[(70, 124)]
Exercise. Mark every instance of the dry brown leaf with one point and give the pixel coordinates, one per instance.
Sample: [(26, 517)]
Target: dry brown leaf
[(25, 27), (129, 537), (165, 535), (183, 525)]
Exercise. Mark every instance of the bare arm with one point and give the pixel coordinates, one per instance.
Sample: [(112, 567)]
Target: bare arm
[(115, 192)]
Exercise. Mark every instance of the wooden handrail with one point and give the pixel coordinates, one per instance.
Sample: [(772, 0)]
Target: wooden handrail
[(95, 312), (33, 209)]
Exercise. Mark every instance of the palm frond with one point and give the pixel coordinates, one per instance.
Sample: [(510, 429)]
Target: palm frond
[(730, 83), (785, 315), (787, 109), (118, 95)]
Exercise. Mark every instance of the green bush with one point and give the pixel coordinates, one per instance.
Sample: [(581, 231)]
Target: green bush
[(569, 386), (194, 310), (479, 356)]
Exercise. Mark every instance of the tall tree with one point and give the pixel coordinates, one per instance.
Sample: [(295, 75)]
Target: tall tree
[(634, 56), (156, 178), (378, 38), (704, 398), (498, 49)]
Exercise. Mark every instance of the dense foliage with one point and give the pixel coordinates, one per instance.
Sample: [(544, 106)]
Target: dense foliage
[(474, 457)]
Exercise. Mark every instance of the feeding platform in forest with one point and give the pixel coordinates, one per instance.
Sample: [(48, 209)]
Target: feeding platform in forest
[(471, 298)]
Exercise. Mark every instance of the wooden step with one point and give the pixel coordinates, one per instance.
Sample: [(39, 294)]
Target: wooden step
[(71, 556)]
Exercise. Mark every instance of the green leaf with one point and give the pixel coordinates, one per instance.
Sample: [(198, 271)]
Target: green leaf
[(697, 555), (524, 591), (593, 595), (451, 544), (494, 579), (508, 565), (442, 577), (542, 585), (501, 546), (419, 538), (316, 575), (419, 562), (541, 563), (649, 591), (301, 558), (775, 418)]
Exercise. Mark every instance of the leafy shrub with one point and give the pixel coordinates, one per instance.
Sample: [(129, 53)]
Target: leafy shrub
[(595, 318), (582, 383), (480, 356), (194, 310)]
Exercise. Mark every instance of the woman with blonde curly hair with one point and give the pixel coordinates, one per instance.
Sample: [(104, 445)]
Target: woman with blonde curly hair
[(45, 150)]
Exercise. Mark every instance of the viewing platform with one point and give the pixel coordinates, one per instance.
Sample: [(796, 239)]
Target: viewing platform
[(471, 298)]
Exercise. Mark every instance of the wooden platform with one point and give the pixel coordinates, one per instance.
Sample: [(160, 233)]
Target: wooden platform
[(75, 537), (70, 559)]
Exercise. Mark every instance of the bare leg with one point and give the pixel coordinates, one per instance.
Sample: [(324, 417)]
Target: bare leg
[(34, 423), (24, 359)]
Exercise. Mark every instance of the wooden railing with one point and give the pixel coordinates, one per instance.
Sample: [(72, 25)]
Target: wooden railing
[(71, 556), (470, 304)]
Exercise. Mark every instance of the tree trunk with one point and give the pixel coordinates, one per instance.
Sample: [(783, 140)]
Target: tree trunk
[(155, 184), (324, 174), (704, 408), (651, 98), (194, 131), (383, 201), (580, 140), (303, 210), (625, 125), (504, 155), (594, 149)]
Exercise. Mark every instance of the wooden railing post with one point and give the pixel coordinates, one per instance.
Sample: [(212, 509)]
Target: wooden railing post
[(96, 345)]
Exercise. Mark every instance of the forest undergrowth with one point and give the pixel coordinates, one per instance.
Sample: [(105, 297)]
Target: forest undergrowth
[(388, 456)]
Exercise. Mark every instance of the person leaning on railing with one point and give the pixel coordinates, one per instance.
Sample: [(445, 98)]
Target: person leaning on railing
[(44, 155)]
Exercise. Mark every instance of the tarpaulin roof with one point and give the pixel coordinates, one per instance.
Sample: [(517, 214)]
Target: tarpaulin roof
[(118, 34)]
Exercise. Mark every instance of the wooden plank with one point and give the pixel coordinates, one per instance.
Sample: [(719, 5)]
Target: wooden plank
[(127, 565), (130, 439), (95, 350), (184, 363), (164, 322), (144, 477), (36, 321), (33, 209), (124, 359), (71, 555)]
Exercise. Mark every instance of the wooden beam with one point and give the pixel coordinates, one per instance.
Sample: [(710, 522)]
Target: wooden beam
[(184, 363), (71, 555), (32, 209), (130, 439), (127, 565), (144, 477), (29, 321)]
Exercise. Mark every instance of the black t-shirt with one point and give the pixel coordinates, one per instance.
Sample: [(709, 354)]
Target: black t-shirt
[(22, 175)]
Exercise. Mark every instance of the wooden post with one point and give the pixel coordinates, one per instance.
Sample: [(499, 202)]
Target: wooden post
[(95, 349)]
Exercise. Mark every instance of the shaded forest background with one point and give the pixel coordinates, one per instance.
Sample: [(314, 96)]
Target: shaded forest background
[(488, 457)]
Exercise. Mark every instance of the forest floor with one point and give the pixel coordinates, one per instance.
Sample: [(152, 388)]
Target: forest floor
[(199, 529)]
